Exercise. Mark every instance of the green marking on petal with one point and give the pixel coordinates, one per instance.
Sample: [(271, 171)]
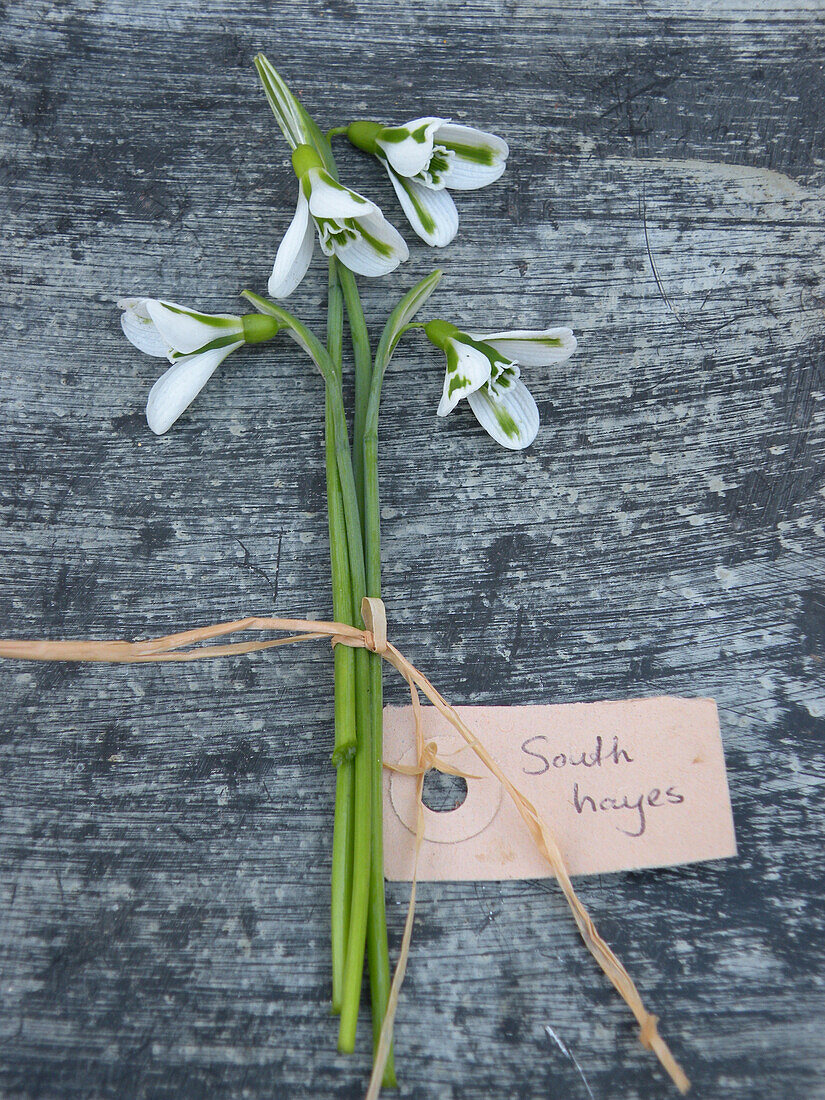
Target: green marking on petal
[(204, 318), (397, 134), (478, 154), (456, 383), (449, 348), (498, 363), (381, 247), (213, 345), (424, 216), (503, 378), (439, 164), (336, 186), (506, 422)]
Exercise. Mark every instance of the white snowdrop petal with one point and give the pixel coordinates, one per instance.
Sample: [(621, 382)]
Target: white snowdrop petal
[(432, 214), (509, 414), (466, 175), (378, 249), (175, 390), (294, 252), (329, 199), (186, 330), (468, 368), (408, 148), (134, 305), (531, 347), (480, 158), (452, 133), (140, 331)]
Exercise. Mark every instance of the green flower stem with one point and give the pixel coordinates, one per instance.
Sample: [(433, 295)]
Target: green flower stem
[(344, 665), (361, 863), (377, 945), (362, 839), (397, 324), (364, 760), (342, 597), (363, 376), (361, 828), (380, 976), (342, 852)]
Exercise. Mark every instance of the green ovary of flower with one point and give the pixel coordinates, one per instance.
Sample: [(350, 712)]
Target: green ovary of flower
[(304, 158)]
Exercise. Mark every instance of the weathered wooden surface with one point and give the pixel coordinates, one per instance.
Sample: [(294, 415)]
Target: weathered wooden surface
[(165, 830)]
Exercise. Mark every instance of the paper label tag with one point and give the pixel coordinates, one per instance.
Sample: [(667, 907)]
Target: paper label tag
[(622, 785)]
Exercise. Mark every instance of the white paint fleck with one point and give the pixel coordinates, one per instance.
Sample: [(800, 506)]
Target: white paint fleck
[(789, 544), (625, 522), (718, 485), (726, 577)]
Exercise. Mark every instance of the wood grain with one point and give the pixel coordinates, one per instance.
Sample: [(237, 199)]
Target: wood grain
[(165, 831)]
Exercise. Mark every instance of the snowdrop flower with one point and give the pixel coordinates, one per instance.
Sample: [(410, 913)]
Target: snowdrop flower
[(484, 368), (194, 343), (424, 158), (348, 225)]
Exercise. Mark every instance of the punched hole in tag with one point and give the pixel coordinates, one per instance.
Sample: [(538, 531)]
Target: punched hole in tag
[(455, 808), (443, 793)]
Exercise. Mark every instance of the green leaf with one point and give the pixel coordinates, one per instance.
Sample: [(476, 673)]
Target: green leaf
[(299, 332), (401, 316)]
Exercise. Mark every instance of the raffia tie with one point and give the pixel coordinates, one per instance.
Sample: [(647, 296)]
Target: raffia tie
[(176, 647)]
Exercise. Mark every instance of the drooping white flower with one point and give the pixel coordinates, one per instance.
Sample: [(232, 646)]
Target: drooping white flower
[(194, 343), (484, 368), (348, 226), (425, 159)]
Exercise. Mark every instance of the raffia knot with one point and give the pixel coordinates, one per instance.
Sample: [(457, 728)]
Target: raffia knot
[(648, 1032), (374, 615)]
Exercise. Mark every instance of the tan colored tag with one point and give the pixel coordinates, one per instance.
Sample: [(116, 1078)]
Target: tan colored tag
[(623, 785)]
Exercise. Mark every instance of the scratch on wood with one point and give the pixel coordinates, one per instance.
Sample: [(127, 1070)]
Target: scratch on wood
[(568, 1054)]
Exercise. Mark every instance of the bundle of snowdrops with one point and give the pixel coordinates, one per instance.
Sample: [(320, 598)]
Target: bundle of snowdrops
[(426, 160)]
